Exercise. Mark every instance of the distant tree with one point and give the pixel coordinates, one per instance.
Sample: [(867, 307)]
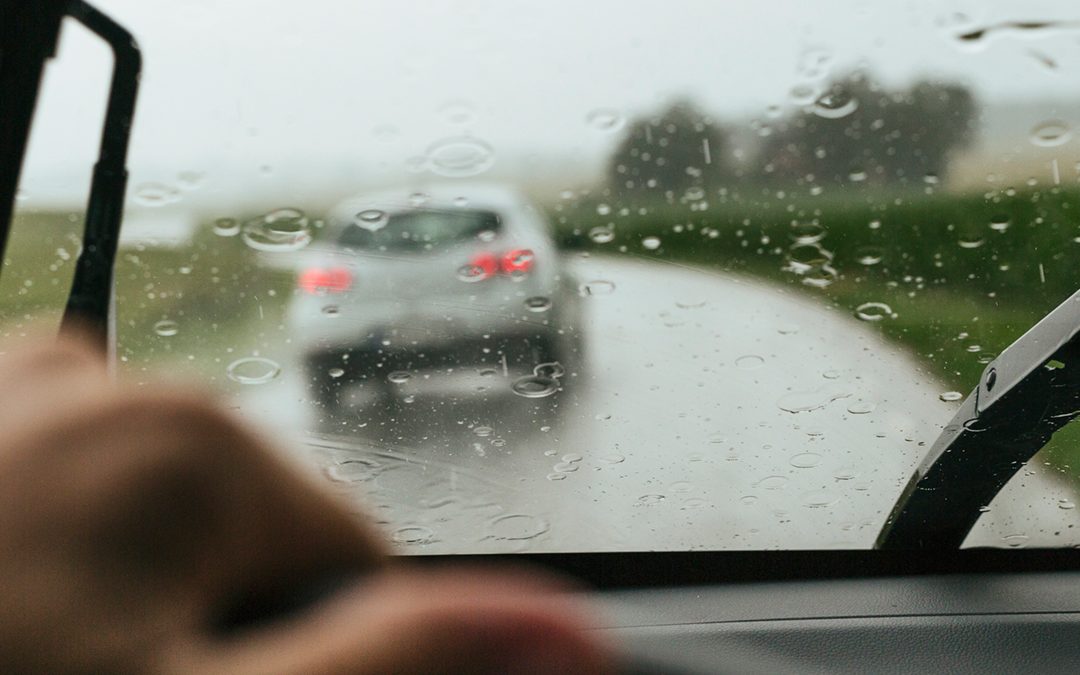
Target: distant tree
[(679, 151), (856, 131)]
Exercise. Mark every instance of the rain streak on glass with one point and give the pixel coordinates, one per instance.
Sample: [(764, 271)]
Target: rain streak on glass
[(598, 287)]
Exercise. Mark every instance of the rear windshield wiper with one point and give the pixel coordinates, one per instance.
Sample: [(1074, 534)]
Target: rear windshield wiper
[(28, 35), (1025, 395)]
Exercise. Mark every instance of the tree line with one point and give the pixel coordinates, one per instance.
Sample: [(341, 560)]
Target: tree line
[(852, 130)]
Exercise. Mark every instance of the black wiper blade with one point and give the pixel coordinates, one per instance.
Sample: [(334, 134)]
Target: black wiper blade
[(1025, 395)]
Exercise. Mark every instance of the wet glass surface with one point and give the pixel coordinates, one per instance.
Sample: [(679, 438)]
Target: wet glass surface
[(584, 276)]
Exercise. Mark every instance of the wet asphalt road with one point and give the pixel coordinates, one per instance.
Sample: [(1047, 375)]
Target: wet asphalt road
[(706, 411)]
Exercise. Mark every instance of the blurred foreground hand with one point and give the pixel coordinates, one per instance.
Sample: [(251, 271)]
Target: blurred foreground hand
[(132, 521)]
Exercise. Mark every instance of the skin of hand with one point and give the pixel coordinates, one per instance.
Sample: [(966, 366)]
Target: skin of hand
[(131, 521)]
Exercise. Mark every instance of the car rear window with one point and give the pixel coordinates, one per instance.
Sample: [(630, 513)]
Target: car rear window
[(418, 230)]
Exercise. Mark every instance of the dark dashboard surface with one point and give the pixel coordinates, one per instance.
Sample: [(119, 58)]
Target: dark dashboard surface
[(961, 623)]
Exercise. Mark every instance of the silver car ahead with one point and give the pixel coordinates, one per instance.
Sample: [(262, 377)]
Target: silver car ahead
[(434, 282)]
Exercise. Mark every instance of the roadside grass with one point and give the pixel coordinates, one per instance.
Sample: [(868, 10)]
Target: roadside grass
[(962, 275)]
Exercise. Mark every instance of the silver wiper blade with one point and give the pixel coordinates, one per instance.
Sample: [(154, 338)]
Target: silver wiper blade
[(1025, 395)]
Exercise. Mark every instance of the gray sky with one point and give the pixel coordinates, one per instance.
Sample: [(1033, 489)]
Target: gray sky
[(266, 97)]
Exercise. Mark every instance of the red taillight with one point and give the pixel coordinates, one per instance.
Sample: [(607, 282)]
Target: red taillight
[(485, 263), (317, 280), (518, 260)]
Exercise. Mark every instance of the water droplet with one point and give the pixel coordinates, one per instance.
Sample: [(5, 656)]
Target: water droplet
[(806, 401), (772, 483), (166, 328), (460, 157), (1066, 504), (749, 499), (873, 311), (802, 258), (846, 473), (601, 235), (970, 241), (226, 227), (834, 105), (869, 255), (535, 386), (1051, 133), (516, 527), (399, 377), (750, 362), (604, 119), (803, 94), (279, 231), (598, 287), (820, 499), (471, 273), (951, 396), (862, 407), (805, 460), (553, 370), (984, 509), (458, 112), (694, 193), (332, 311), (413, 535), (651, 243), (807, 233), (566, 467), (650, 500), (538, 303), (354, 471), (253, 370), (483, 431), (156, 194), (372, 220), (1015, 540), (556, 476), (975, 425), (1000, 222)]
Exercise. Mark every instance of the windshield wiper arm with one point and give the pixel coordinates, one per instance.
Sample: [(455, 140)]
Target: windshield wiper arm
[(1025, 395), (91, 289), (27, 40)]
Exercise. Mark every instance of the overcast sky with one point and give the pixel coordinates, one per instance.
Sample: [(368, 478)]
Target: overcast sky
[(294, 97)]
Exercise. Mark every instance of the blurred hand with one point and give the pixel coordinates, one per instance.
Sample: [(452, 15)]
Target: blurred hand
[(133, 520)]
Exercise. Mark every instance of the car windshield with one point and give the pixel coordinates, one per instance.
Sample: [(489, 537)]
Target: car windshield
[(418, 230), (585, 276)]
